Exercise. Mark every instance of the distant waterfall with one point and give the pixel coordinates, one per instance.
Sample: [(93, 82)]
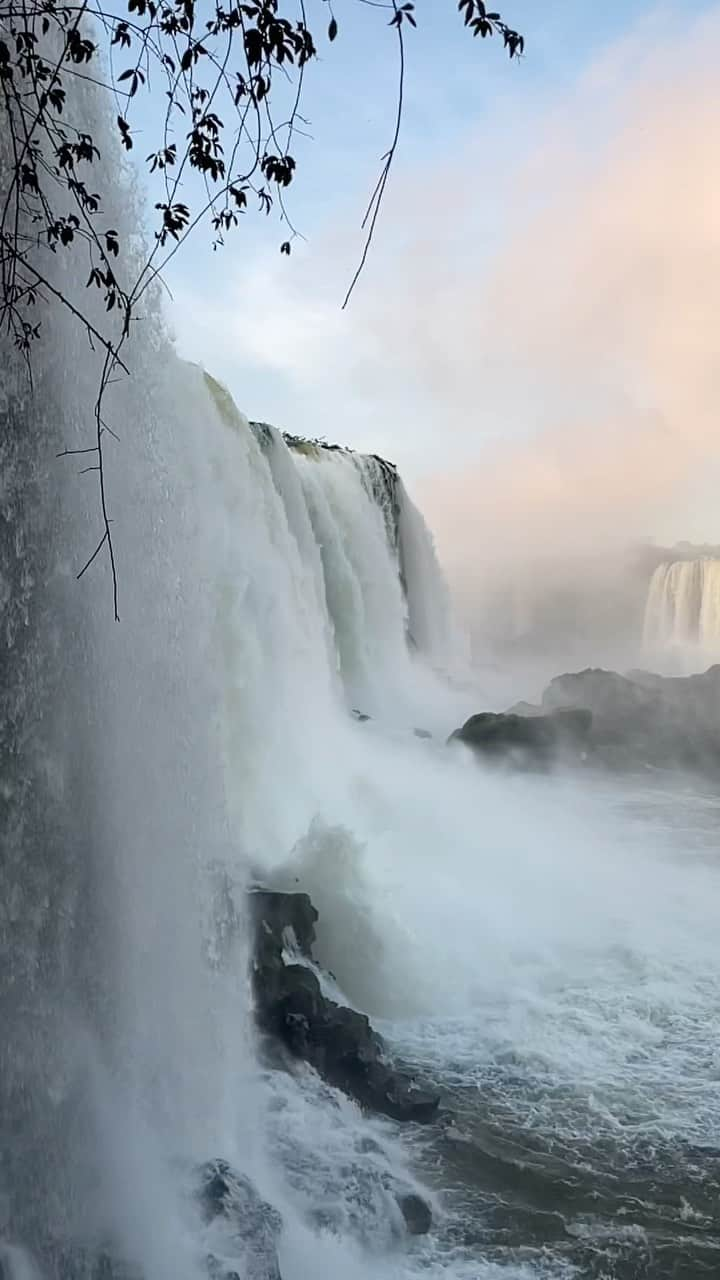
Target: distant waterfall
[(682, 613)]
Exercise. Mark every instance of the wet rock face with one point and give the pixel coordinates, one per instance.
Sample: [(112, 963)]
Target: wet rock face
[(417, 1214), (529, 742), (338, 1042), (249, 1227), (242, 1235), (643, 719), (281, 919), (628, 723)]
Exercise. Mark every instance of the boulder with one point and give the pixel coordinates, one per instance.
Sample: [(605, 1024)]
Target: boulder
[(629, 722), (609, 696), (527, 742), (282, 920), (646, 720), (251, 1226), (337, 1041), (416, 1212)]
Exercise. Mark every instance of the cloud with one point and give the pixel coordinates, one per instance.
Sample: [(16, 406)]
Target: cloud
[(599, 323)]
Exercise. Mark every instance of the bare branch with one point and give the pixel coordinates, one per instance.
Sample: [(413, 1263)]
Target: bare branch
[(373, 209), (94, 556)]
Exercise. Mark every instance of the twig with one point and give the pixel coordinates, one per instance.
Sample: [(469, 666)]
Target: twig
[(373, 209)]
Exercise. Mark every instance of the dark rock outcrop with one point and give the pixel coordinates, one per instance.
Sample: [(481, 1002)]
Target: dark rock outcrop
[(337, 1041), (527, 742), (637, 721), (281, 920), (612, 698), (253, 1225), (643, 719), (417, 1214), (524, 709)]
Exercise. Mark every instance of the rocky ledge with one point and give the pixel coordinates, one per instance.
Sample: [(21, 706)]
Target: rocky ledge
[(337, 1041), (629, 722), (533, 741), (252, 1227)]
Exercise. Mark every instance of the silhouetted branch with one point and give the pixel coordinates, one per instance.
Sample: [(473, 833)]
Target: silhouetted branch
[(94, 555), (376, 199)]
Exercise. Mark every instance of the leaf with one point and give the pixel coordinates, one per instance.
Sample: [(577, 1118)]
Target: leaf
[(332, 33), (253, 46)]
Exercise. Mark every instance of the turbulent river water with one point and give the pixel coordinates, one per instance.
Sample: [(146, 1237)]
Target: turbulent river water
[(545, 950), (560, 984)]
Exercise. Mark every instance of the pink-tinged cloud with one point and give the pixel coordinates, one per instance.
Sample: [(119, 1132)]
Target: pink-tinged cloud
[(598, 327)]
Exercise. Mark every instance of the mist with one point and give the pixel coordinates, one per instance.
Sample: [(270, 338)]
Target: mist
[(595, 338)]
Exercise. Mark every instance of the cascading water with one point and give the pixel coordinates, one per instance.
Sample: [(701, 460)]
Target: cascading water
[(547, 954), (682, 614), (147, 767)]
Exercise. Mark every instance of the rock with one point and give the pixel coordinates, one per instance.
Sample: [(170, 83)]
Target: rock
[(422, 733), (643, 719), (631, 722), (527, 742), (359, 715), (609, 696), (338, 1042), (283, 919), (572, 724), (253, 1225), (417, 1214)]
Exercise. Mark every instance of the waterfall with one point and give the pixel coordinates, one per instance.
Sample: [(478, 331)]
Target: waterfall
[(146, 768), (682, 613)]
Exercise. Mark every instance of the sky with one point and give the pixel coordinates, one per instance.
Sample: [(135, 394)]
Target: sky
[(535, 339)]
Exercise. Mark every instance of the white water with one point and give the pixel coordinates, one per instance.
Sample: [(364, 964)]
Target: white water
[(479, 915), (682, 614), (149, 768)]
